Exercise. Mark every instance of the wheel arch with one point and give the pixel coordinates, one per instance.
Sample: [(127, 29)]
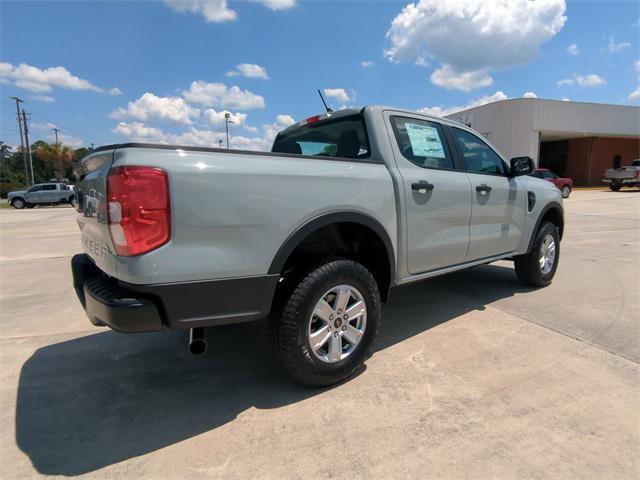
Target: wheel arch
[(552, 212), (385, 274)]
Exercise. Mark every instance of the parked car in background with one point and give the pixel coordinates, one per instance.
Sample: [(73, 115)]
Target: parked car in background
[(565, 185), (312, 235), (42, 194), (628, 176)]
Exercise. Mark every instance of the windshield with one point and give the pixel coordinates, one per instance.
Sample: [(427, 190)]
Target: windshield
[(343, 137)]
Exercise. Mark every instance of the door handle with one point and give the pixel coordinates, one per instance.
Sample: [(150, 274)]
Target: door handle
[(483, 189), (422, 185)]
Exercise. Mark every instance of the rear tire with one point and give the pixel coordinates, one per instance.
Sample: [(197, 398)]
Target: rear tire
[(307, 313), (615, 187), (18, 203), (538, 267), (566, 191)]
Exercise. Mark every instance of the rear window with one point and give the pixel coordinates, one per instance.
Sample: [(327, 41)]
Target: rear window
[(343, 138)]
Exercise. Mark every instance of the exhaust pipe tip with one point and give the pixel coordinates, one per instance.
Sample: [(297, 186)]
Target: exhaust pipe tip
[(197, 341)]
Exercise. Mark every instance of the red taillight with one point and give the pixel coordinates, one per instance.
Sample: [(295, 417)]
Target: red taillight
[(636, 174), (139, 215)]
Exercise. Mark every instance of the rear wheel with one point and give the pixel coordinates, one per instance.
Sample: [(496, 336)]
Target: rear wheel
[(538, 267), (566, 191), (615, 187), (326, 324), (18, 203)]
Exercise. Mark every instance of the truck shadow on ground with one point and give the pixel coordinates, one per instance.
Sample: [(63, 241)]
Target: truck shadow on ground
[(95, 401)]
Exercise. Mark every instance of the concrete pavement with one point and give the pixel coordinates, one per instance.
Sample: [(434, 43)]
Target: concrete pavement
[(475, 376)]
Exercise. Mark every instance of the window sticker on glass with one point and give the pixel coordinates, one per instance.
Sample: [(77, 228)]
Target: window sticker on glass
[(425, 141)]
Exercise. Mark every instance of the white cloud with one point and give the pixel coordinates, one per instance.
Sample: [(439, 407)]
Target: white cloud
[(472, 37), (529, 95), (636, 65), (139, 132), (43, 98), (565, 99), (216, 118), (338, 94), (218, 94), (150, 106), (613, 47), (214, 11), (635, 95), (421, 62), (218, 11), (366, 63), (249, 70), (44, 126), (37, 80), (442, 111), (447, 77), (276, 5), (590, 80), (573, 49), (70, 140)]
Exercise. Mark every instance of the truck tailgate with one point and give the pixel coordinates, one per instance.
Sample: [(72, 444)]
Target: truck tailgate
[(91, 188)]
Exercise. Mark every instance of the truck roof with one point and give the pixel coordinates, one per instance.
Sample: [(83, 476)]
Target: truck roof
[(346, 112)]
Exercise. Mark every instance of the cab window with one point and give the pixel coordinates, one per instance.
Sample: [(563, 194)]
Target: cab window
[(478, 156), (422, 143), (343, 137)]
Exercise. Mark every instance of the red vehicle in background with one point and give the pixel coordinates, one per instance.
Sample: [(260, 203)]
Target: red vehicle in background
[(565, 185)]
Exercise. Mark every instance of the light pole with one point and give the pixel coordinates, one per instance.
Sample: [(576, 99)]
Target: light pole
[(226, 126)]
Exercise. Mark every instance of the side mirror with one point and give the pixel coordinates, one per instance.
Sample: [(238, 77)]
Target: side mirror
[(521, 166)]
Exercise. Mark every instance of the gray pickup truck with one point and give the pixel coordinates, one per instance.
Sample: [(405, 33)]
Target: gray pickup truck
[(628, 176), (312, 235), (42, 194)]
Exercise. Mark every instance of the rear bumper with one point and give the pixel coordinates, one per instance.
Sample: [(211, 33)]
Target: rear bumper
[(145, 308), (622, 181), (107, 304)]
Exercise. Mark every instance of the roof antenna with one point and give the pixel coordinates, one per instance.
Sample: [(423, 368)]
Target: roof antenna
[(329, 111)]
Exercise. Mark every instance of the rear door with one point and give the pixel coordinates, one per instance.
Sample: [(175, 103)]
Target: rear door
[(498, 202), (437, 196), (49, 193)]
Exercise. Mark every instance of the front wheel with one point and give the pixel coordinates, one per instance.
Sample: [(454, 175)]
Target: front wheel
[(327, 323), (18, 203), (615, 187), (537, 268), (566, 191)]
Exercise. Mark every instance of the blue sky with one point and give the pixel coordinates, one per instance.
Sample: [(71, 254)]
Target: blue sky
[(115, 71)]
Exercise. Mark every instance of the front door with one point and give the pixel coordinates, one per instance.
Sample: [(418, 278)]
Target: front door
[(437, 196), (498, 203)]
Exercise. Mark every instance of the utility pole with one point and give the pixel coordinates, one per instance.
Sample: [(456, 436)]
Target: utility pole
[(55, 130), (24, 156), (26, 140)]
